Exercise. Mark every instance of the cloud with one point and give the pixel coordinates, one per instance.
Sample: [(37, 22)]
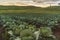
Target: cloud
[(26, 0), (39, 1)]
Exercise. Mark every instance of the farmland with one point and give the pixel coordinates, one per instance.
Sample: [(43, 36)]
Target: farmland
[(29, 9), (29, 23)]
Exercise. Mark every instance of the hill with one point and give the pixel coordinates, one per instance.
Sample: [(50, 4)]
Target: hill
[(29, 9)]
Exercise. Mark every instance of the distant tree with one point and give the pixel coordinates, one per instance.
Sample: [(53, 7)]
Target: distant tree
[(58, 3)]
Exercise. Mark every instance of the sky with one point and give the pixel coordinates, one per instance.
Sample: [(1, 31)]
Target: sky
[(24, 0), (28, 1), (33, 2)]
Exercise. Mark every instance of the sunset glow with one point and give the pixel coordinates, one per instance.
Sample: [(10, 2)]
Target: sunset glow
[(28, 3)]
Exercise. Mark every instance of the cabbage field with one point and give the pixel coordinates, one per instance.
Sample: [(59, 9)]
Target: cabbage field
[(29, 27), (29, 23)]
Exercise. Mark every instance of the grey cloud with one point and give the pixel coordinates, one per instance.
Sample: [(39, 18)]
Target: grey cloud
[(43, 0), (38, 1)]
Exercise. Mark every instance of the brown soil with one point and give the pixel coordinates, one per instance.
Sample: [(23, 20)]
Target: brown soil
[(57, 33), (3, 34)]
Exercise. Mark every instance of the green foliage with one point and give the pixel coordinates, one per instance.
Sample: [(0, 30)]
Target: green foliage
[(26, 33), (32, 27), (24, 25), (45, 31), (27, 38), (46, 34), (17, 30)]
